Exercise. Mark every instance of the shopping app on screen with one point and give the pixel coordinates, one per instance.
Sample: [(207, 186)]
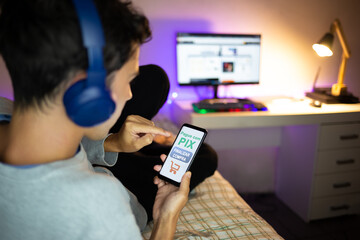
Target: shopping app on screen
[(181, 153)]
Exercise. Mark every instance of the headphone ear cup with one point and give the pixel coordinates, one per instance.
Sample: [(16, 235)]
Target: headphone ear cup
[(88, 105)]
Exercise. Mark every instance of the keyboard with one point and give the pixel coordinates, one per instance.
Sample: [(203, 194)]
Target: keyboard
[(228, 105)]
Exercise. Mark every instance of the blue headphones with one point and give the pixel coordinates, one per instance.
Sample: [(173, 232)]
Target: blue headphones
[(88, 102)]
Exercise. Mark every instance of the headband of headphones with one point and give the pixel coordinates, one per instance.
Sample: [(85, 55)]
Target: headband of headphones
[(93, 39), (88, 102)]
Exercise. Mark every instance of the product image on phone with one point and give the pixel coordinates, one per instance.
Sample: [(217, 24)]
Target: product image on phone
[(182, 153)]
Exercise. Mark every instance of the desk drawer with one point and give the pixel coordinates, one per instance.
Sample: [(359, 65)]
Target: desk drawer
[(333, 161), (335, 206), (335, 184), (339, 136)]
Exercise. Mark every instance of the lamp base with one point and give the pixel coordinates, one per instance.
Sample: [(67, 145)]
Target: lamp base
[(338, 89), (324, 95)]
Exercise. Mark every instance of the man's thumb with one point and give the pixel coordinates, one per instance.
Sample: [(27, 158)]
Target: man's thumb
[(185, 182)]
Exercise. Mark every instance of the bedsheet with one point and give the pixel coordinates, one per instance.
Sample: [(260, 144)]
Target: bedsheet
[(216, 211)]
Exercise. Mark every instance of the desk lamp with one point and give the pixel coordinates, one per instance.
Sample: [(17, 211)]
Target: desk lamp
[(338, 92)]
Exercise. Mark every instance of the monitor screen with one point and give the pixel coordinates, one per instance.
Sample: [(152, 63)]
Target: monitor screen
[(217, 59)]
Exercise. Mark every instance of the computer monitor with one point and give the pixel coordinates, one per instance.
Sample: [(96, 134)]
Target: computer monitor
[(217, 59)]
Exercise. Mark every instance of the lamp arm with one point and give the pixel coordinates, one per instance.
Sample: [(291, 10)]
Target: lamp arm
[(341, 75), (342, 39), (339, 88)]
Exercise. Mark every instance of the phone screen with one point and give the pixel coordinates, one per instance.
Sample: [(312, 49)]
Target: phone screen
[(182, 153)]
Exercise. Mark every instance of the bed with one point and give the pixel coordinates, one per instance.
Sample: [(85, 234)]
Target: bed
[(216, 211)]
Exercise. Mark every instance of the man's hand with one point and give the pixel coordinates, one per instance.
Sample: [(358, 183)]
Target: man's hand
[(170, 199), (169, 202), (135, 133)]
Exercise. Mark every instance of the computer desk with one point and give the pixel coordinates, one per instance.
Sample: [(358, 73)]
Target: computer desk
[(281, 112), (317, 171)]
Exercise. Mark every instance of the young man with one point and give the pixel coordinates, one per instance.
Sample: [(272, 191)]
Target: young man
[(49, 189)]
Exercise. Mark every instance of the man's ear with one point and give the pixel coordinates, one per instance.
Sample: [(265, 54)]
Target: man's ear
[(74, 78), (81, 75)]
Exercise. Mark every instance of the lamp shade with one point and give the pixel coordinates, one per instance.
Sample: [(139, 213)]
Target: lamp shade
[(323, 47)]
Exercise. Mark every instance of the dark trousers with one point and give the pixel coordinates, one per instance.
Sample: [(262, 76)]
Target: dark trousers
[(135, 170)]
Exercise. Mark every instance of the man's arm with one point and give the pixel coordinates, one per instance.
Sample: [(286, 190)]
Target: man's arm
[(96, 153), (136, 133), (164, 228), (169, 202)]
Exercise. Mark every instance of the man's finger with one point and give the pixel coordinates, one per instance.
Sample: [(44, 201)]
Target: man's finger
[(185, 183), (142, 141), (163, 157), (157, 168), (141, 128), (159, 182)]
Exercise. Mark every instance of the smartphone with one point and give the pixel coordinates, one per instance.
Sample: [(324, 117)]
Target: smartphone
[(182, 153)]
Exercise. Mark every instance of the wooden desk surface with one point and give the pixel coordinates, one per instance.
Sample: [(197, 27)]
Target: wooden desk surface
[(281, 112)]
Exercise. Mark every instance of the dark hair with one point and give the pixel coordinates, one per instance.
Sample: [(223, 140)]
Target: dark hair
[(41, 43)]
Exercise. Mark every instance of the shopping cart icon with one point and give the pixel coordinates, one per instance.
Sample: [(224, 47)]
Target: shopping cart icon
[(174, 167)]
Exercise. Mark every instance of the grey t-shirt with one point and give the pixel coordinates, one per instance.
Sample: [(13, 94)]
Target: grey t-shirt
[(67, 199)]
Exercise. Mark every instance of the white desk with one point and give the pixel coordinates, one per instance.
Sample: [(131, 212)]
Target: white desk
[(281, 112), (318, 157)]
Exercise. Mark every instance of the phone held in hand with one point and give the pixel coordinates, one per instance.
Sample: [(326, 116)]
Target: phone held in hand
[(182, 153)]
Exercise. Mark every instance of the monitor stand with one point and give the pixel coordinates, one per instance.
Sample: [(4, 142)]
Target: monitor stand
[(216, 99), (215, 87)]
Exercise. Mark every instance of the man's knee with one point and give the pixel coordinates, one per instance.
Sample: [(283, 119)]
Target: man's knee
[(154, 75), (211, 158), (206, 161)]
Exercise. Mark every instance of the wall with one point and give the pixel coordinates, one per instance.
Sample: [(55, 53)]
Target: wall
[(288, 28), (5, 83)]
